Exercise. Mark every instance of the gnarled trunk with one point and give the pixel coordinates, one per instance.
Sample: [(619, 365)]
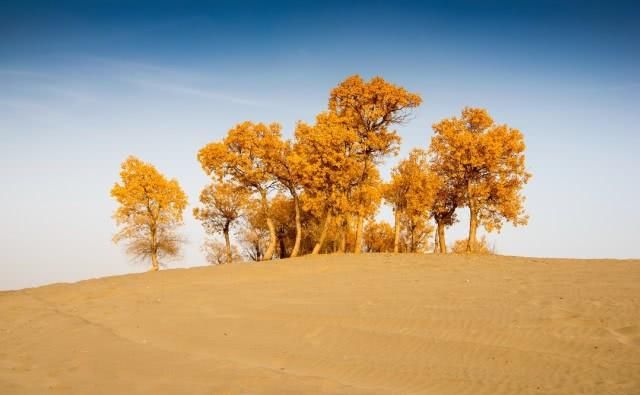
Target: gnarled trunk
[(344, 234), (473, 227), (396, 237), (442, 245), (155, 265), (296, 245), (323, 235), (272, 229), (359, 229), (227, 242)]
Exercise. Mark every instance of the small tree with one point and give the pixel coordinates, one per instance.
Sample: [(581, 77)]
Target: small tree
[(218, 254), (411, 193), (378, 237), (481, 246), (222, 205), (151, 208)]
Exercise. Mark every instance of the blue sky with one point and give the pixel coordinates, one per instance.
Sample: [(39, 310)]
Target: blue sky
[(85, 84)]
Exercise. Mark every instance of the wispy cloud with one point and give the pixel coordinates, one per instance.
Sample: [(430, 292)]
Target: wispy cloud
[(167, 79), (186, 90)]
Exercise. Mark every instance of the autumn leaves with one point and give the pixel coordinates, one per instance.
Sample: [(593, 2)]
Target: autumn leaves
[(150, 209), (316, 192)]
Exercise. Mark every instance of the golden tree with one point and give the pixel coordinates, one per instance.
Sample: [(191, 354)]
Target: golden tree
[(330, 172), (285, 164), (151, 207), (378, 237), (481, 246), (242, 158), (217, 253), (411, 193), (486, 163), (443, 210), (415, 234), (222, 206), (370, 108)]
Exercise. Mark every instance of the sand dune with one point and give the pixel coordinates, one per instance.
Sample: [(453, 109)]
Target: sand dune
[(369, 324)]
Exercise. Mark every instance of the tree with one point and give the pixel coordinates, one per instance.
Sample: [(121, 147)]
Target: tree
[(486, 163), (151, 208), (443, 210), (217, 253), (370, 108), (378, 237), (222, 205), (481, 247), (329, 169), (242, 158), (284, 163), (411, 193), (415, 234), (254, 234)]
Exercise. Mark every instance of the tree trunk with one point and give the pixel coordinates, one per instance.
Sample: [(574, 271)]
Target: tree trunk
[(396, 237), (323, 235), (473, 227), (296, 245), (441, 240), (272, 229), (436, 243), (155, 266), (344, 233), (281, 245), (359, 229), (227, 243)]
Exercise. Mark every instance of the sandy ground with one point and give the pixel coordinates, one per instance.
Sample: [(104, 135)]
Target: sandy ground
[(368, 324)]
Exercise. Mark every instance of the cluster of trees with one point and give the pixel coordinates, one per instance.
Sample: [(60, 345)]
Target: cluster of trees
[(319, 191)]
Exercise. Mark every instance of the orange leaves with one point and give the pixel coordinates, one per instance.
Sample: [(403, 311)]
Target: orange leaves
[(150, 208), (143, 191), (222, 204), (370, 108), (483, 165), (241, 155)]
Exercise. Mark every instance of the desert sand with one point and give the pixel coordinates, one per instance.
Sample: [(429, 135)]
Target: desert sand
[(343, 324)]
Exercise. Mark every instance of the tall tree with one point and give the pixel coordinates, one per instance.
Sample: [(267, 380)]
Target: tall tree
[(151, 207), (242, 158), (329, 169), (370, 108), (486, 161), (222, 206), (411, 193), (285, 164)]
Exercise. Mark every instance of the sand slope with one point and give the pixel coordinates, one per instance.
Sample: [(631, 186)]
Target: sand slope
[(371, 324)]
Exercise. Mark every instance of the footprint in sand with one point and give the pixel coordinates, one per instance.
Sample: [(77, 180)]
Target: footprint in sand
[(629, 335)]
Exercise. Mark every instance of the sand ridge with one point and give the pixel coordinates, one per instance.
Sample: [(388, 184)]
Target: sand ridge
[(336, 324)]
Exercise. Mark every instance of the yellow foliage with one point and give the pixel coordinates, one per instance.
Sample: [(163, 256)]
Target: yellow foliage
[(483, 167), (378, 237), (481, 246), (222, 205), (150, 209), (242, 157), (217, 254)]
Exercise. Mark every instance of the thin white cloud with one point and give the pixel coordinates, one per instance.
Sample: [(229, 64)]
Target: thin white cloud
[(187, 90), (167, 79)]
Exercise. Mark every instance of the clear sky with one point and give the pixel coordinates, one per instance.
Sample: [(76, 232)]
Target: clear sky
[(85, 84)]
